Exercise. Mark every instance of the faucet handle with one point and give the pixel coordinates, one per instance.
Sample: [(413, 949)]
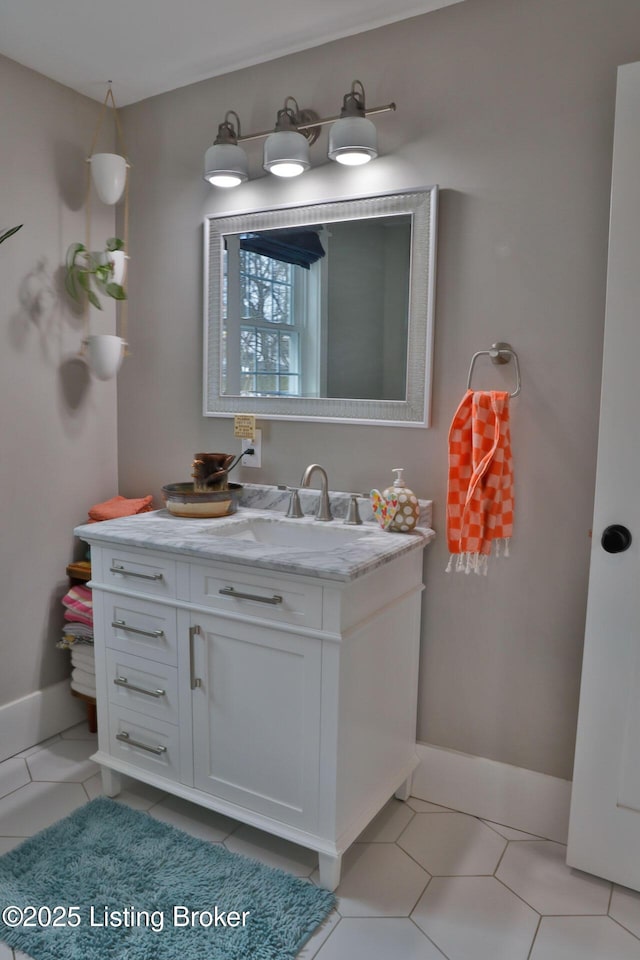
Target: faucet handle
[(294, 510), (353, 513)]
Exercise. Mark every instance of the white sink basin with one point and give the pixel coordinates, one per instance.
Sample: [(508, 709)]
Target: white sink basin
[(282, 533)]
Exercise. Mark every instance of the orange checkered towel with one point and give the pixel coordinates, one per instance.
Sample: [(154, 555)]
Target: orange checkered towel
[(480, 491)]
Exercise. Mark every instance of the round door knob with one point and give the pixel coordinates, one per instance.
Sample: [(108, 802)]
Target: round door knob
[(616, 538)]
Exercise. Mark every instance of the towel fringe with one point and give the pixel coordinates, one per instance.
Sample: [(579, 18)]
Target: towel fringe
[(477, 562)]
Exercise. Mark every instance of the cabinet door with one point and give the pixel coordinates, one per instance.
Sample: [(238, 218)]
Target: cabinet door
[(256, 718)]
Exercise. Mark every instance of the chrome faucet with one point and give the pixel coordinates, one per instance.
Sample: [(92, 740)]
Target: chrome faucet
[(324, 507)]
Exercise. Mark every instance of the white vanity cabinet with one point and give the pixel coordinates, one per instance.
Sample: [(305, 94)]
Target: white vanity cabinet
[(285, 701)]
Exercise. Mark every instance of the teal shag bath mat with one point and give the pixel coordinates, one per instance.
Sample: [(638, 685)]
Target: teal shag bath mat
[(111, 883)]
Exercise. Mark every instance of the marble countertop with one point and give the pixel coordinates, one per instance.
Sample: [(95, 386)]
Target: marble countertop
[(203, 539)]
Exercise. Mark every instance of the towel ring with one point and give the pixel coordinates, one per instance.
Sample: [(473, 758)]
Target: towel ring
[(499, 353)]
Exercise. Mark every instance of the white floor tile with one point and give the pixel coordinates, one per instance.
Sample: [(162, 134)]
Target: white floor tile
[(8, 843), (625, 908), (379, 880), (476, 918), (452, 844), (38, 805), (510, 833), (313, 944), (140, 796), (583, 938), (387, 826), (198, 821), (378, 939), (13, 774), (423, 806), (38, 746), (79, 732), (273, 851), (537, 872), (64, 760), (389, 908)]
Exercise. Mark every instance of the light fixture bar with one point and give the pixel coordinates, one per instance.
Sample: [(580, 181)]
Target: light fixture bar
[(316, 123)]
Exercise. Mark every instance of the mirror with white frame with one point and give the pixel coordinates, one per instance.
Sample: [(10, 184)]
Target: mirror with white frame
[(322, 311)]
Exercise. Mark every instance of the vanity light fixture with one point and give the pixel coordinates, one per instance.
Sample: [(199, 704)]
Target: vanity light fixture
[(286, 150), (225, 163), (352, 140)]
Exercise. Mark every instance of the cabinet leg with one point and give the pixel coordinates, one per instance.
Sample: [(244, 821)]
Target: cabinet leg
[(111, 782), (404, 790), (330, 868)]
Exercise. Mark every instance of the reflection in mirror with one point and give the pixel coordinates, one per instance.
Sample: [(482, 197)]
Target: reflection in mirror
[(322, 311), (318, 310)]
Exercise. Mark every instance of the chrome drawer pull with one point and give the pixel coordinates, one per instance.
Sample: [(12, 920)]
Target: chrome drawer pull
[(123, 682), (134, 573), (122, 625), (195, 681), (232, 592), (125, 738)]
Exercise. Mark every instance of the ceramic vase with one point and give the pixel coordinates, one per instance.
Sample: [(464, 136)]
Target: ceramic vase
[(104, 355), (109, 173)]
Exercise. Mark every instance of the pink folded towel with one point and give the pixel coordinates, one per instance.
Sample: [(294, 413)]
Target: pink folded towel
[(78, 605)]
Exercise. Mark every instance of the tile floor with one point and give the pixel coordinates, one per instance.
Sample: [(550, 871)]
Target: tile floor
[(421, 882)]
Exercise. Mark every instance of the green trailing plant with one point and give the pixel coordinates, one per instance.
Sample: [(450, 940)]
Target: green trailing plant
[(10, 233), (86, 271)]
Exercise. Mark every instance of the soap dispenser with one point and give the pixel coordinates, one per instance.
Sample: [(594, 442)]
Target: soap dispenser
[(407, 513), (396, 509)]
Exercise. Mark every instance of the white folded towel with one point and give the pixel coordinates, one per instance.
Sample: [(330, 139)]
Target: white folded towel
[(83, 676), (82, 658), (81, 688)]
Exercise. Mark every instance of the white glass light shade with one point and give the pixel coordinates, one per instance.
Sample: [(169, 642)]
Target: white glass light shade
[(286, 153), (353, 141), (109, 174), (104, 354), (225, 165)]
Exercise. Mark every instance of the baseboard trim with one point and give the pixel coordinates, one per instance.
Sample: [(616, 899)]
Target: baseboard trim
[(516, 797), (36, 717)]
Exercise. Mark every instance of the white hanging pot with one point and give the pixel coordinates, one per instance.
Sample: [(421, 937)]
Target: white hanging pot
[(109, 173), (104, 355), (118, 260)]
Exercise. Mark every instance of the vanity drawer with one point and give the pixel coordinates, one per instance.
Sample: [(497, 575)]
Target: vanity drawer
[(142, 685), (268, 597), (139, 572), (144, 742), (141, 628)]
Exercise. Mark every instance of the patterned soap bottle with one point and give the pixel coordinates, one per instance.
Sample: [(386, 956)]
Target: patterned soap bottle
[(408, 511)]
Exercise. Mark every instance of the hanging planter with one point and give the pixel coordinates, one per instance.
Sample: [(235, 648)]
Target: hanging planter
[(109, 175), (105, 353), (94, 274), (89, 274)]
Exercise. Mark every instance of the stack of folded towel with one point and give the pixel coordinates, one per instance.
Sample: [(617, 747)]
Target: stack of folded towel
[(78, 638)]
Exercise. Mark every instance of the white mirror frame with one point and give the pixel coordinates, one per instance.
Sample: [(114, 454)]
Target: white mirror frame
[(415, 411)]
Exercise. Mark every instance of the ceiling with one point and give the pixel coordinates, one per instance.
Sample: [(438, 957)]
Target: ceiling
[(147, 47)]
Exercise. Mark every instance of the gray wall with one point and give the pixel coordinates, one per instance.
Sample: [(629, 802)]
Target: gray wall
[(508, 105), (57, 429)]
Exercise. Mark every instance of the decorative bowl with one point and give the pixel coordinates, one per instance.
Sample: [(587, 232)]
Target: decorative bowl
[(182, 501)]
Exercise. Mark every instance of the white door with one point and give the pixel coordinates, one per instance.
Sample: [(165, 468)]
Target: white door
[(604, 829)]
